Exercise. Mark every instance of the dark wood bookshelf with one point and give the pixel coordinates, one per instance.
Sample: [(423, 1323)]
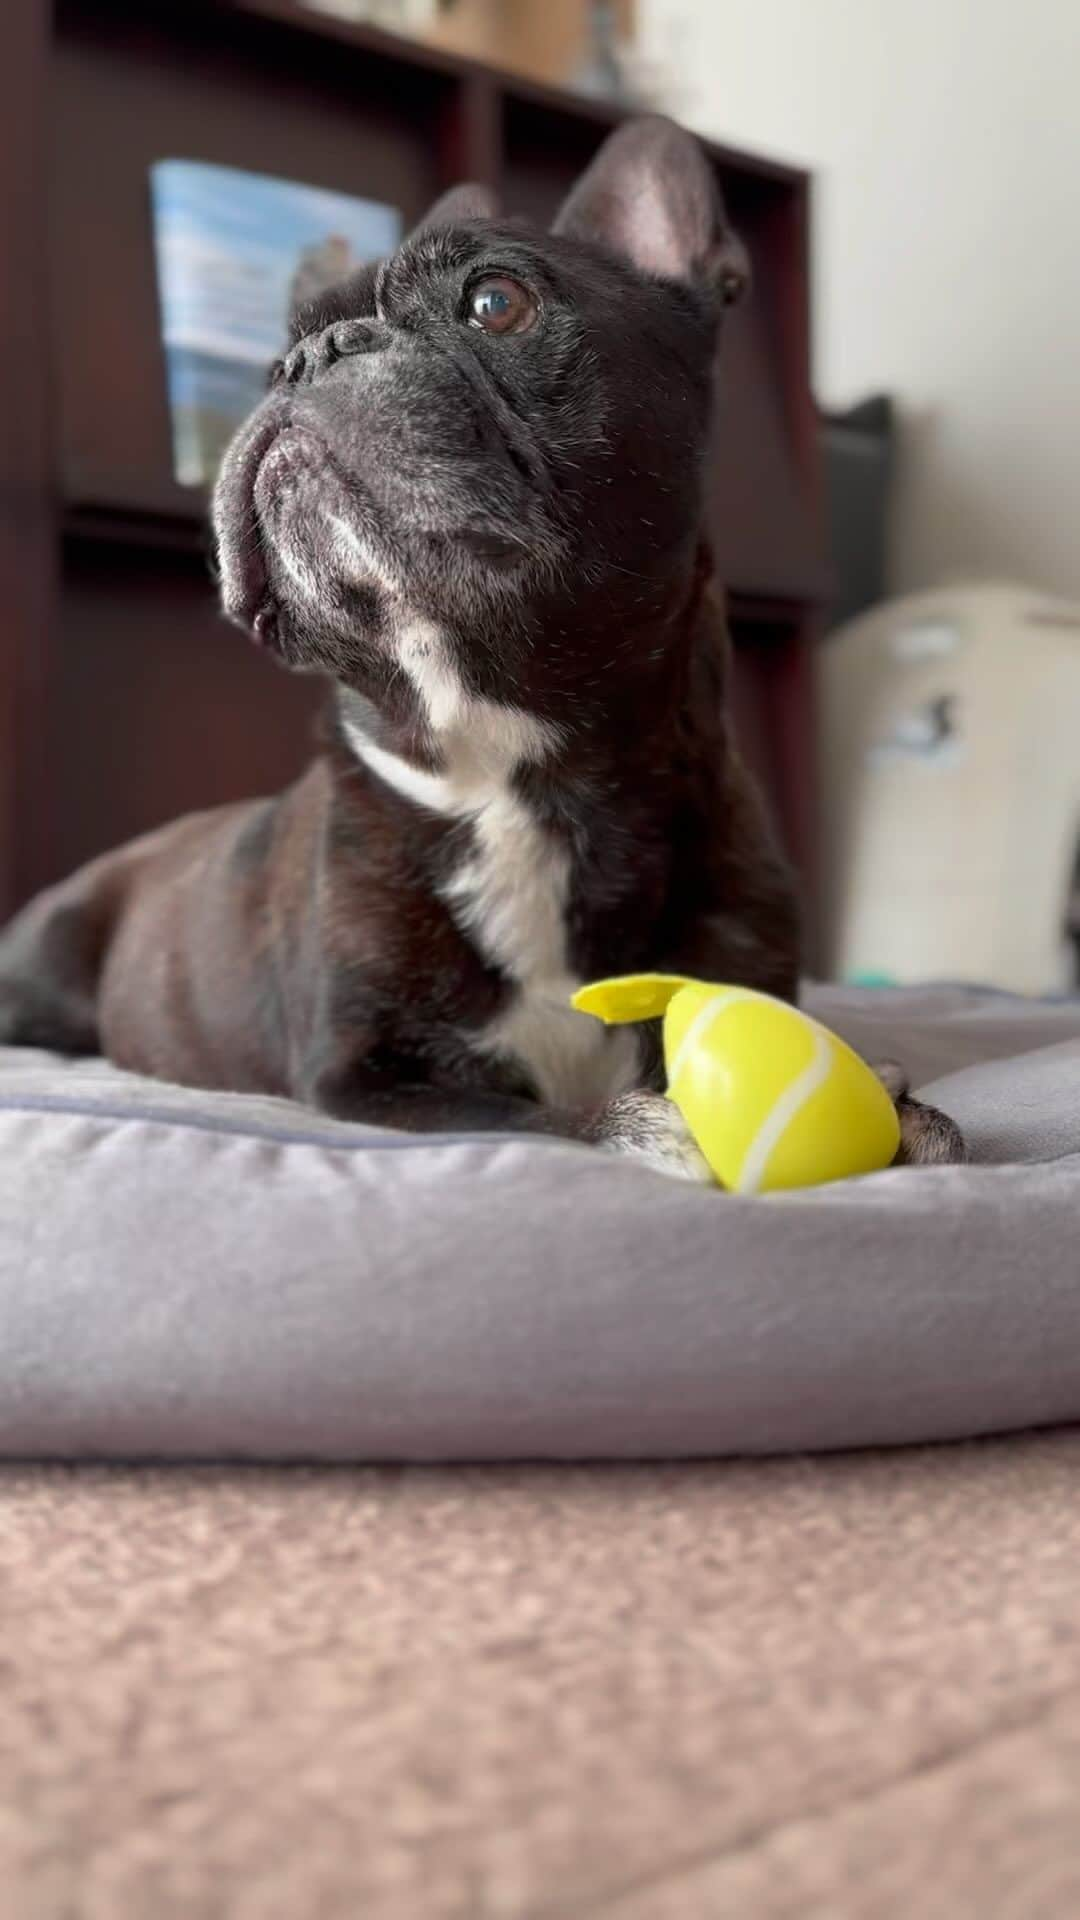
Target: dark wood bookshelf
[(123, 698)]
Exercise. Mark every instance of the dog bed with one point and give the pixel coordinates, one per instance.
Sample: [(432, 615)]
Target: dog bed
[(207, 1275)]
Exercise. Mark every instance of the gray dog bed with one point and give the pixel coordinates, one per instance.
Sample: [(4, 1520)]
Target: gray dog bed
[(188, 1274)]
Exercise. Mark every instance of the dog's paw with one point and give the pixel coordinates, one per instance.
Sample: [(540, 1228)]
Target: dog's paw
[(928, 1138), (649, 1127)]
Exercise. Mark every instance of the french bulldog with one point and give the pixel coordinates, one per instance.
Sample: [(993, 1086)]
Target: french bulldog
[(472, 499)]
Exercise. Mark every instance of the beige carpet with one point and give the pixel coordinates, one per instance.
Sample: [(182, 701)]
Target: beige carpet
[(845, 1687)]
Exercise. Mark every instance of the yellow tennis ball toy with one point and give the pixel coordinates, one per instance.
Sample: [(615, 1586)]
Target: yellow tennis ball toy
[(772, 1098)]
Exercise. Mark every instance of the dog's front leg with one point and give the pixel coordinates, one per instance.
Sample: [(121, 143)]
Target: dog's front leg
[(641, 1125), (648, 1127), (928, 1138)]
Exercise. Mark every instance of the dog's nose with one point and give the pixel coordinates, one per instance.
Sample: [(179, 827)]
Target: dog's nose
[(317, 352)]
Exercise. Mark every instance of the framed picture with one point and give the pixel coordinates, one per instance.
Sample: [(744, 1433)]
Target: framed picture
[(236, 252)]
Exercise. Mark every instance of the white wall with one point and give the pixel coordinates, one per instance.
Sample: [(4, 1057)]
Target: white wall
[(945, 138)]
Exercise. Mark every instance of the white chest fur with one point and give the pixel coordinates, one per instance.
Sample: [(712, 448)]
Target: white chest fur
[(509, 895)]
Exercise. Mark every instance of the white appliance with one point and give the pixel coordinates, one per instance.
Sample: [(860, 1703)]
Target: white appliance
[(951, 768)]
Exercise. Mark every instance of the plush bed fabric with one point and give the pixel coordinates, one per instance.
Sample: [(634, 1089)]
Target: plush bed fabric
[(186, 1275), (845, 1688)]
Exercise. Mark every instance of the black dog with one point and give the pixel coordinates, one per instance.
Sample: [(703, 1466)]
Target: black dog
[(473, 499)]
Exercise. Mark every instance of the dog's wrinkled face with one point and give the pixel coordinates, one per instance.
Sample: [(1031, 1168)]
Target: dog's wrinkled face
[(497, 432)]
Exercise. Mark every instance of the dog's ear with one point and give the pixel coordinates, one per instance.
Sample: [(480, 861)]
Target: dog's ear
[(470, 201), (651, 195)]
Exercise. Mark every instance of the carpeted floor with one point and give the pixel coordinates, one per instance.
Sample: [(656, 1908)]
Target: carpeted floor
[(840, 1687)]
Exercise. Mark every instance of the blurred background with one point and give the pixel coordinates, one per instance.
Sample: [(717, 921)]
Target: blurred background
[(893, 486)]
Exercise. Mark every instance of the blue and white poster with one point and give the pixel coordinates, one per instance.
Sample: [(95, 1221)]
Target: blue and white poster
[(236, 252)]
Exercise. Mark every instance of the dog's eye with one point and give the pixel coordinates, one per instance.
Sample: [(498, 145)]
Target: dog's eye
[(501, 305)]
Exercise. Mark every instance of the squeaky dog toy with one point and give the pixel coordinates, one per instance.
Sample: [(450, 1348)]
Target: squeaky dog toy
[(772, 1098)]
